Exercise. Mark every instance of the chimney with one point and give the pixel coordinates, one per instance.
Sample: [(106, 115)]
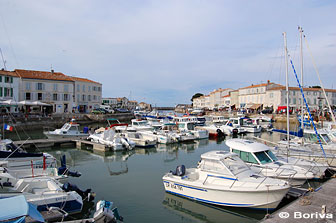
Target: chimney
[(52, 71)]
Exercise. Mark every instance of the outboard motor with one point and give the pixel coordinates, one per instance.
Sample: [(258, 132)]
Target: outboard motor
[(180, 171), (220, 133), (235, 132), (63, 170), (84, 194)]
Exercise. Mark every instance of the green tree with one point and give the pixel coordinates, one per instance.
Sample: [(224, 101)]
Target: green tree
[(197, 95)]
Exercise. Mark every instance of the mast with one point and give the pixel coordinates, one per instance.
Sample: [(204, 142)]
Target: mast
[(287, 92), (301, 60)]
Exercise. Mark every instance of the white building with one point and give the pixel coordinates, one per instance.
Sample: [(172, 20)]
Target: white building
[(53, 88), (254, 96), (9, 88), (88, 94), (112, 102), (314, 97)]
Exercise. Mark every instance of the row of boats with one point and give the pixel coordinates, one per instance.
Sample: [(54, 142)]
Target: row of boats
[(33, 184)]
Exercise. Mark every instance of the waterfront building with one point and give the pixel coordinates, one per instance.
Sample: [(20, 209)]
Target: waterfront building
[(87, 93), (234, 98), (9, 88), (254, 96), (53, 88), (145, 106), (112, 102), (122, 102), (276, 97)]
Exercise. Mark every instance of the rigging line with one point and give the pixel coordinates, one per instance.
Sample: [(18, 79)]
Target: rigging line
[(310, 116), (318, 75), (9, 41)]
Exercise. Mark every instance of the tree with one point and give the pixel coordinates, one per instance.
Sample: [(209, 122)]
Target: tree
[(197, 95)]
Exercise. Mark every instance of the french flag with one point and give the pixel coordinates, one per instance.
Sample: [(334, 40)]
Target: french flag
[(8, 127)]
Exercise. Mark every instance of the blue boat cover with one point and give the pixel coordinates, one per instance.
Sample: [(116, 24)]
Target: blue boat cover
[(17, 206)]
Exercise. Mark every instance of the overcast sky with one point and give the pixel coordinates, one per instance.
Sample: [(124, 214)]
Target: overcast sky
[(163, 51)]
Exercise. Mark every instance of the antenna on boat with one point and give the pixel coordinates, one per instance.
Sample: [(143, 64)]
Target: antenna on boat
[(3, 60)]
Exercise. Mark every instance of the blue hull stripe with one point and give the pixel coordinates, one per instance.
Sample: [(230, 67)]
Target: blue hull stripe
[(195, 188), (227, 178), (210, 202)]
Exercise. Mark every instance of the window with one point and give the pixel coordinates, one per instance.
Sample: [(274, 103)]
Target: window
[(294, 101), (83, 97), (28, 86), (271, 95), (308, 93), (271, 155), (0, 91), (89, 97), (66, 88), (27, 96), (78, 98), (262, 157), (294, 93), (94, 97), (39, 86), (55, 97), (8, 79), (55, 87), (99, 88), (0, 78), (66, 97), (89, 88), (83, 88), (39, 96), (8, 92), (78, 87), (315, 93), (314, 100)]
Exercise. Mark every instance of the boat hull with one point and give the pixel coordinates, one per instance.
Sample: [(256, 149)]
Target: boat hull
[(246, 199)]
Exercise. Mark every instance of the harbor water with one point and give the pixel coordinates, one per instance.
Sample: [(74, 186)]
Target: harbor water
[(133, 181)]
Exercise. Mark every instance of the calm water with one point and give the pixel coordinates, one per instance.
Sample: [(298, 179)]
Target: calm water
[(133, 181)]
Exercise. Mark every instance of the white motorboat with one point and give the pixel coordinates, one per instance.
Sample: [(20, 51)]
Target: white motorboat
[(140, 139), (250, 127), (190, 127), (175, 133), (141, 125), (162, 136), (221, 178), (68, 130), (111, 139), (50, 172), (261, 160), (238, 124), (19, 159), (45, 193)]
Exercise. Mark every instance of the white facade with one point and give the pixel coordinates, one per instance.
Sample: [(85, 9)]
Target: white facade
[(88, 94), (55, 92), (9, 88)]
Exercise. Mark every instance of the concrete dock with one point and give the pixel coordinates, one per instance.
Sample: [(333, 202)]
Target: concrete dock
[(44, 143), (317, 206), (95, 146)]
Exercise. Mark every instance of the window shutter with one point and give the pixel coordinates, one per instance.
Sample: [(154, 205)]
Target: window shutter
[(43, 86), (11, 91), (0, 91)]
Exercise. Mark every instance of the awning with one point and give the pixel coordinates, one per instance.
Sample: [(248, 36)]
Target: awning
[(255, 106), (10, 102), (38, 103), (26, 103)]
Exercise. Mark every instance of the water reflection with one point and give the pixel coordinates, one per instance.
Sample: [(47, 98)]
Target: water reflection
[(208, 213)]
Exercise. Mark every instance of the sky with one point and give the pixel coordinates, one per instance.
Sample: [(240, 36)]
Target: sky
[(164, 51)]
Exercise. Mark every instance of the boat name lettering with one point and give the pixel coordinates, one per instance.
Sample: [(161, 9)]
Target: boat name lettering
[(174, 186)]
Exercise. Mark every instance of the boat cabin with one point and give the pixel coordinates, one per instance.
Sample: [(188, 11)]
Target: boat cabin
[(219, 119), (310, 136), (186, 126), (235, 122), (70, 127), (251, 152), (222, 162)]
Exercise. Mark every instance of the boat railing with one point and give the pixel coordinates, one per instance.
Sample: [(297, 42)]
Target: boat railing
[(261, 182)]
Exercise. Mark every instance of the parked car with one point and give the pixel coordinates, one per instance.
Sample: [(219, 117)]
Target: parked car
[(267, 111), (99, 111)]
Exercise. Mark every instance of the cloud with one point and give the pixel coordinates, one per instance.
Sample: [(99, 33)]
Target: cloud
[(165, 51)]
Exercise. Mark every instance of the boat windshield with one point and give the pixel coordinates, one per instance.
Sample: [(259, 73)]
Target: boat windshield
[(66, 126), (262, 157), (270, 154), (234, 164), (325, 137), (190, 126)]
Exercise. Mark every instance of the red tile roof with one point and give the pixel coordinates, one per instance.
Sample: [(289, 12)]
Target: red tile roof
[(281, 87), (43, 75), (83, 79), (8, 73)]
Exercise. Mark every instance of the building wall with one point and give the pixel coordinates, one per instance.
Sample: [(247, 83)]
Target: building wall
[(9, 89), (88, 96), (57, 93)]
